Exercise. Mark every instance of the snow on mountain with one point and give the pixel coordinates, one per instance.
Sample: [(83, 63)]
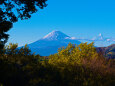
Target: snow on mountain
[(50, 43), (97, 38), (100, 37), (55, 35)]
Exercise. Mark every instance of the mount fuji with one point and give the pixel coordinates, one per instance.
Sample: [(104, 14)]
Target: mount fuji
[(50, 43)]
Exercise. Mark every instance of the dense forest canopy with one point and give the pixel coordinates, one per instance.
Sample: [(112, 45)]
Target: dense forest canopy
[(72, 66), (12, 10)]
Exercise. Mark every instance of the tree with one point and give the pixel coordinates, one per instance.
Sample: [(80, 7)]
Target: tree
[(74, 54), (13, 10)]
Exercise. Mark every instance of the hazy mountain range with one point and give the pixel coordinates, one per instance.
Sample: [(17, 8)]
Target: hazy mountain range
[(99, 40), (50, 43)]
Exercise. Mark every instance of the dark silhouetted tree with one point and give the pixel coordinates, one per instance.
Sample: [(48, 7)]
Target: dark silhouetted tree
[(12, 10)]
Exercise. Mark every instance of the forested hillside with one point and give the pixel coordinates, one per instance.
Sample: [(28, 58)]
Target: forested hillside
[(108, 52), (75, 65)]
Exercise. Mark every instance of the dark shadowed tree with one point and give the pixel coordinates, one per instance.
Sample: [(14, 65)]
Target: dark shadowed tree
[(12, 10)]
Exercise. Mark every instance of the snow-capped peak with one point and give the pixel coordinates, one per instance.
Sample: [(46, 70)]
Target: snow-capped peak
[(100, 34), (99, 37), (55, 35)]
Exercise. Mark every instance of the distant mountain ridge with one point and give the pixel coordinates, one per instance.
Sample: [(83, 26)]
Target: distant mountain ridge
[(99, 40), (99, 37), (50, 43)]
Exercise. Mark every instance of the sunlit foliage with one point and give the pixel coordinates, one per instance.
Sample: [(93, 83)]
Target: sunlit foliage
[(74, 65), (74, 54)]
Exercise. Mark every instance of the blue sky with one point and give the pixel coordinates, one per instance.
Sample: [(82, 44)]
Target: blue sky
[(78, 18)]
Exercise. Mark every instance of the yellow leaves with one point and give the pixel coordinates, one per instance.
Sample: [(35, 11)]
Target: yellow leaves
[(1, 84), (73, 54), (12, 46), (71, 66), (110, 53)]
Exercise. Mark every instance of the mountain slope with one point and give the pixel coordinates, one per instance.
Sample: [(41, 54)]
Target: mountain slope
[(109, 52), (50, 43)]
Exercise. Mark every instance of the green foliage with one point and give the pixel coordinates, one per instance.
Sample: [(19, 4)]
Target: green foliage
[(12, 10), (72, 66), (12, 49)]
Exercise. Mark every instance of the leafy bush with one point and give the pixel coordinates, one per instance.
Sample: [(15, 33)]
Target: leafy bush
[(72, 66), (74, 54)]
